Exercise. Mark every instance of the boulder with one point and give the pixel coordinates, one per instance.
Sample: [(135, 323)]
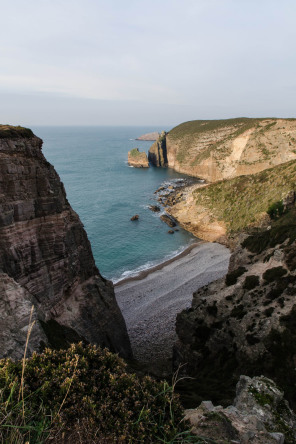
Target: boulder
[(135, 217), (154, 208), (169, 220)]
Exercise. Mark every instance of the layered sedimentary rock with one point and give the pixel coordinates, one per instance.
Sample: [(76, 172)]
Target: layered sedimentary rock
[(157, 154), (220, 149), (245, 322), (137, 159), (46, 259)]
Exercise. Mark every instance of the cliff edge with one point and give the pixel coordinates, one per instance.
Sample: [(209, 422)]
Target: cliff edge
[(221, 149), (46, 259)]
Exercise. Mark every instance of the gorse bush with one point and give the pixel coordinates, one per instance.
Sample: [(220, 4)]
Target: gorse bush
[(276, 209), (86, 388)]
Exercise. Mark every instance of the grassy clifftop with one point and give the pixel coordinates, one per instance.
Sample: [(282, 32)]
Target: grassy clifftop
[(241, 201), (219, 149), (8, 131)]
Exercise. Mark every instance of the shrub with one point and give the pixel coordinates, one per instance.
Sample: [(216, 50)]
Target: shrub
[(231, 278), (276, 209), (86, 387)]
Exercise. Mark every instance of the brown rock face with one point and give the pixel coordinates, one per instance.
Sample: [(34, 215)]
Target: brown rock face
[(221, 149), (137, 159), (158, 152), (46, 259)]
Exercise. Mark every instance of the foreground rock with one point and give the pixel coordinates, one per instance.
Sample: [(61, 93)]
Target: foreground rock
[(259, 415), (46, 259), (245, 323), (138, 159)]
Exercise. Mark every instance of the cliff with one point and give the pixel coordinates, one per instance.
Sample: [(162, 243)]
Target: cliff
[(46, 259), (157, 154), (222, 149), (137, 159), (245, 322)]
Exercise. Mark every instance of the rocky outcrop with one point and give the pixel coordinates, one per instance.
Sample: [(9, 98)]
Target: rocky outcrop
[(157, 154), (149, 136), (222, 149), (46, 259), (259, 415), (245, 322), (137, 159)]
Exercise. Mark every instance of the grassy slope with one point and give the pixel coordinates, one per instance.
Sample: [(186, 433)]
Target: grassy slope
[(239, 201)]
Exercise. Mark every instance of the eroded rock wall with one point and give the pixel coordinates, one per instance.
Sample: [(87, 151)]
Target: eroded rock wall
[(245, 322), (45, 251)]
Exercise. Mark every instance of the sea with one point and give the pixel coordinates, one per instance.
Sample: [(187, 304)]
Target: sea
[(106, 192)]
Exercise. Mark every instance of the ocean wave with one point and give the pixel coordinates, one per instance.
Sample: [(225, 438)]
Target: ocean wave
[(151, 264)]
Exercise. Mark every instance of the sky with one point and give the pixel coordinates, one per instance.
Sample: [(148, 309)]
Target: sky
[(135, 62)]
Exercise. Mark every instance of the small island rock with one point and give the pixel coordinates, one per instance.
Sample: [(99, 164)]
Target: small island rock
[(137, 159)]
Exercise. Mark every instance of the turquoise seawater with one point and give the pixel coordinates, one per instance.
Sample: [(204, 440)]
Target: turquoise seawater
[(106, 192)]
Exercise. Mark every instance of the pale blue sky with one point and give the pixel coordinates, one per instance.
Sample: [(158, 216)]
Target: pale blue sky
[(137, 62)]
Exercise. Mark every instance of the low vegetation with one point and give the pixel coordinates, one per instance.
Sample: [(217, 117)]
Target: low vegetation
[(7, 131), (241, 202), (85, 393)]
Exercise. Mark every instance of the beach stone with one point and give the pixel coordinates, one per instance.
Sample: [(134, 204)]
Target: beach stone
[(135, 217)]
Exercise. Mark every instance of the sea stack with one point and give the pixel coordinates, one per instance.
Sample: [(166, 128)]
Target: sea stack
[(137, 159), (46, 260)]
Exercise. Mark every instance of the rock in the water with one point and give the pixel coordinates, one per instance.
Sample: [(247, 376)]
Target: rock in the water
[(259, 415), (171, 232), (135, 217), (46, 259), (169, 220), (138, 159), (154, 208)]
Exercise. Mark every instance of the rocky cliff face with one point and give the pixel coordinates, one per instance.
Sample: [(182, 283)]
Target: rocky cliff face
[(245, 323), (158, 152), (221, 149), (46, 259)]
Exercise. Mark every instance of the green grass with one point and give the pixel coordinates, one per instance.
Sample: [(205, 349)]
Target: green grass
[(12, 132), (86, 393), (240, 201)]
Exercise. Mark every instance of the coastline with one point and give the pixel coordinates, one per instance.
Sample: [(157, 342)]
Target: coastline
[(150, 302), (144, 273)]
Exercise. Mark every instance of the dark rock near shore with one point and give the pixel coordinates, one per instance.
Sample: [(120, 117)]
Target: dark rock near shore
[(171, 232), (169, 220), (154, 208), (135, 217)]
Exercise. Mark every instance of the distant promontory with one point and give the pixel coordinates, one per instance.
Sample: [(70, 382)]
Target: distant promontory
[(149, 136)]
